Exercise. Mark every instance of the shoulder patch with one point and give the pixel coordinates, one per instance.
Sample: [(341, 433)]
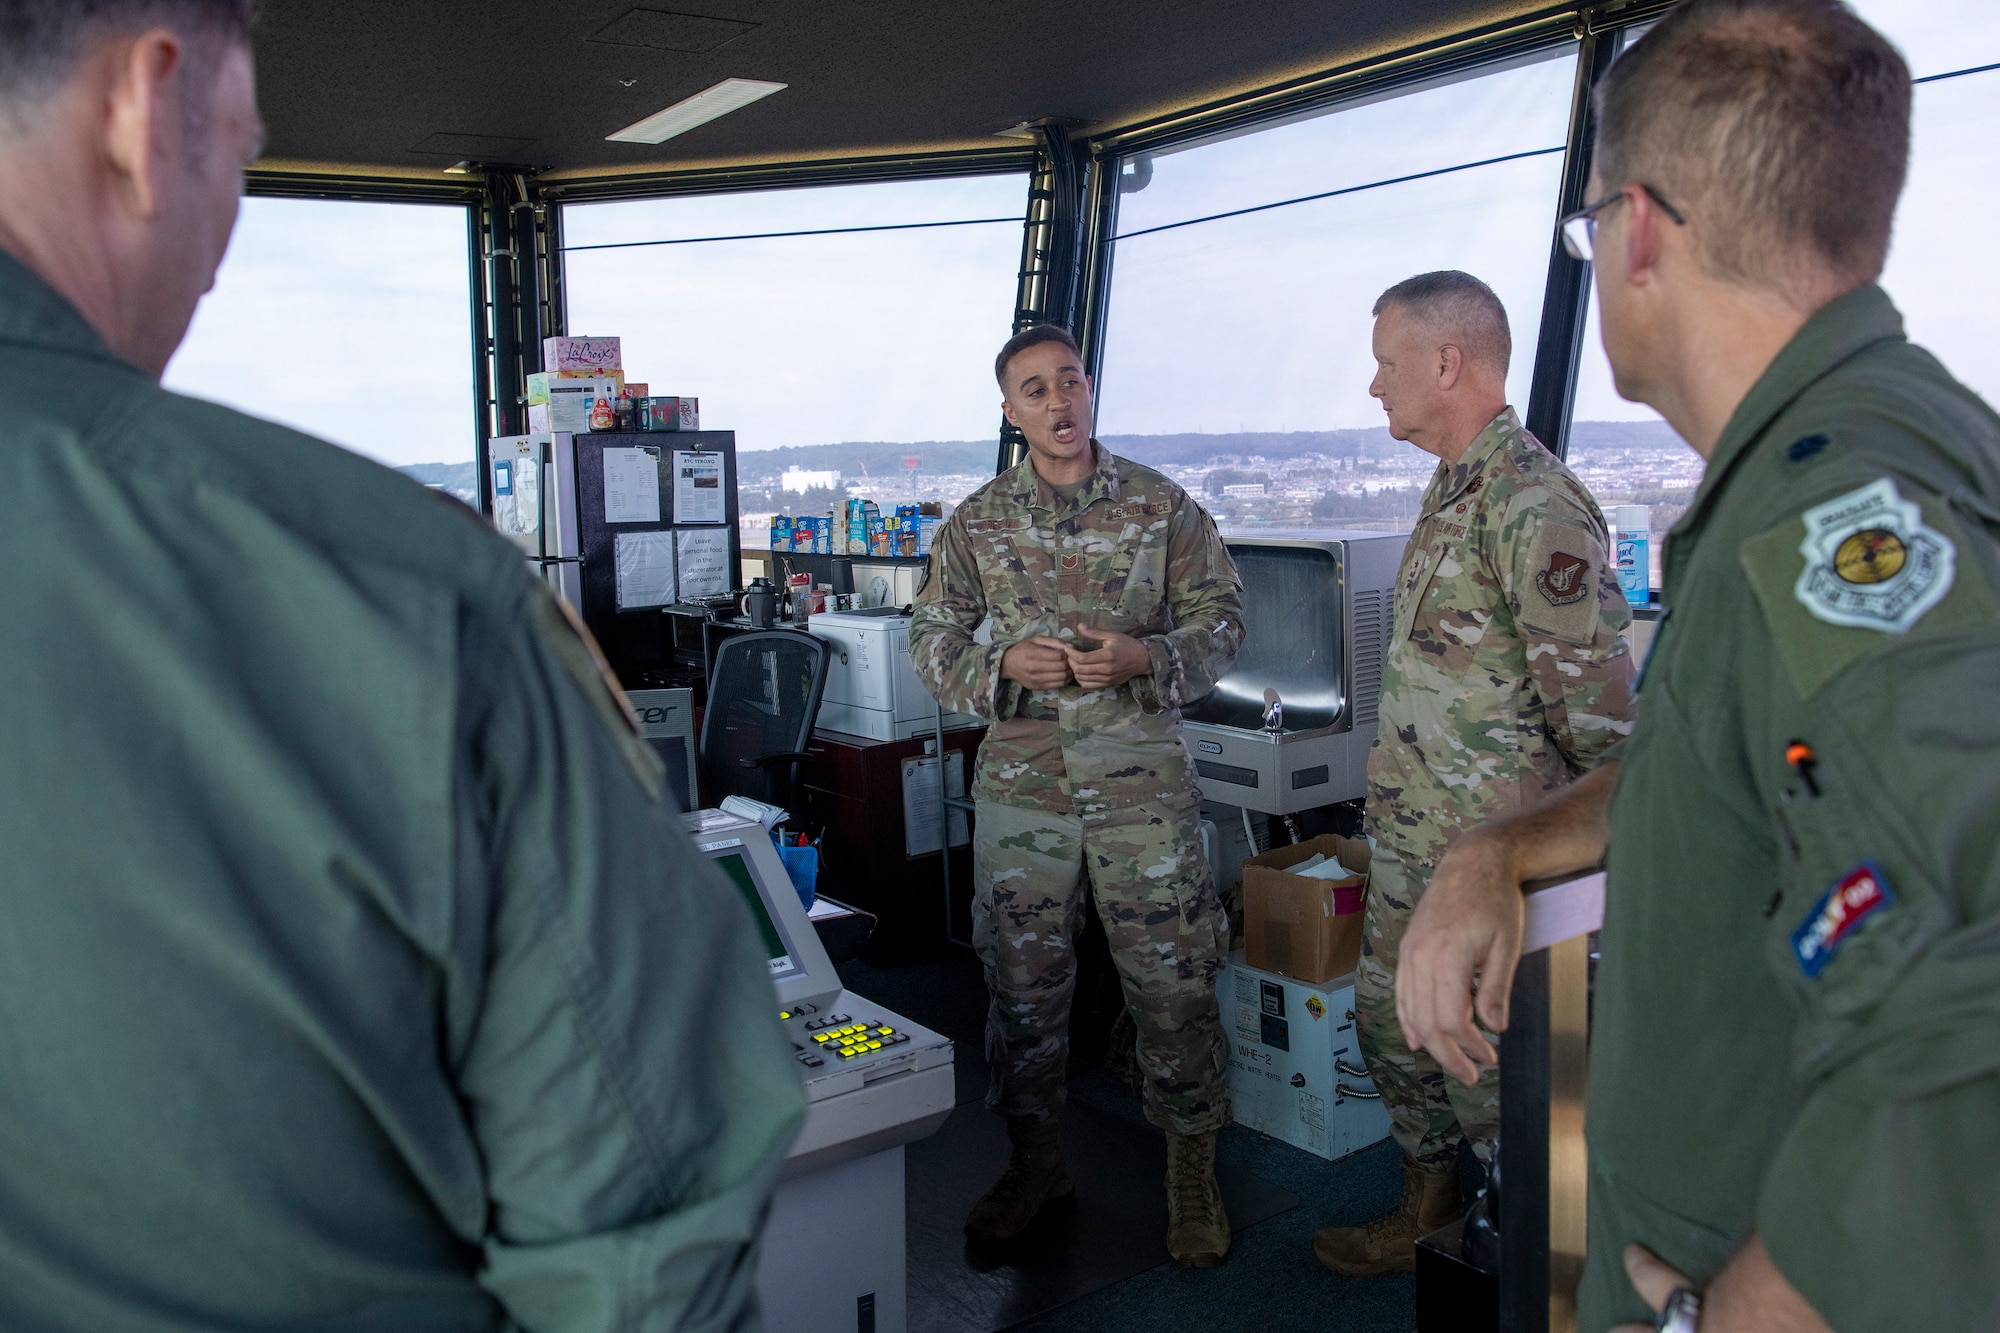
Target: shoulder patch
[(1871, 561), (1860, 894), (1849, 577), (1564, 579), (1562, 575)]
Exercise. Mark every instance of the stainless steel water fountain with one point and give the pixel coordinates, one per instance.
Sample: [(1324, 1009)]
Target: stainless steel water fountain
[(1289, 727)]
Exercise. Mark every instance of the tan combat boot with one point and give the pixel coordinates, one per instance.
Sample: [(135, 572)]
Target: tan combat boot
[(1389, 1243), (1035, 1177), (1197, 1228)]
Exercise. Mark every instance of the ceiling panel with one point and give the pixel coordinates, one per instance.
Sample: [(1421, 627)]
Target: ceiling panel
[(368, 83)]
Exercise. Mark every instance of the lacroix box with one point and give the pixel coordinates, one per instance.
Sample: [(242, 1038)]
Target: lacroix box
[(586, 354)]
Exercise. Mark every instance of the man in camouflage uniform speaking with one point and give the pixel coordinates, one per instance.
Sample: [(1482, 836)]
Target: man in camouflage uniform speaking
[(1506, 678), (1111, 602)]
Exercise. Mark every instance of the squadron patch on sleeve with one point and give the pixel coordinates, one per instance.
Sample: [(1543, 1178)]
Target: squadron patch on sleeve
[(1871, 562), (1860, 894), (1564, 579)]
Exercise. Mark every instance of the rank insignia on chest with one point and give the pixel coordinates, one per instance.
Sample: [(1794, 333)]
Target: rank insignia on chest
[(1860, 895), (1871, 562), (1563, 581)]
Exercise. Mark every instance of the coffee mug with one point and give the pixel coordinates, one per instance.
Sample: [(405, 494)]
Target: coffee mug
[(760, 604)]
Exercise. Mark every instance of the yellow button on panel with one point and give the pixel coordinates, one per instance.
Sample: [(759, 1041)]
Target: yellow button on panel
[(885, 1031), (784, 1014), (874, 1045), (820, 1037)]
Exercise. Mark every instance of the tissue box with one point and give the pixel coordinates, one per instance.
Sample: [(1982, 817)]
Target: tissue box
[(1307, 929), (589, 354)]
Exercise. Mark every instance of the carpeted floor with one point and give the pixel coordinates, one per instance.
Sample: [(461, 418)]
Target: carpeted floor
[(1271, 1283)]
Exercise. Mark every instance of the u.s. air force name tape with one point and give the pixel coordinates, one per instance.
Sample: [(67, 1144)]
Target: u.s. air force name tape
[(1871, 562)]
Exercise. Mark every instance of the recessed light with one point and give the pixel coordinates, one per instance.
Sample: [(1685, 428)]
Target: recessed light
[(725, 97)]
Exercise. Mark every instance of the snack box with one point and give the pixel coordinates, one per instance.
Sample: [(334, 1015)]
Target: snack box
[(575, 404), (668, 413), (781, 533)]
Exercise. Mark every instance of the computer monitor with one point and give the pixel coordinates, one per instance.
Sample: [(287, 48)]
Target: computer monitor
[(798, 962), (776, 949)]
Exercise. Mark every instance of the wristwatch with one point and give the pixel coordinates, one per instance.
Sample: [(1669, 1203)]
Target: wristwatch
[(1681, 1313)]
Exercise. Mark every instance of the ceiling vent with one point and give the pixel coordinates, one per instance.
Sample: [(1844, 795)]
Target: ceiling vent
[(664, 30)]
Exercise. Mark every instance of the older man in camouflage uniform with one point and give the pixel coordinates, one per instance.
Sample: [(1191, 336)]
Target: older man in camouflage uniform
[(1111, 601), (1506, 679)]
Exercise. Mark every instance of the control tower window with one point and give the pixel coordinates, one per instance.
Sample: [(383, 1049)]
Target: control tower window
[(348, 321), (845, 333), (1236, 353)]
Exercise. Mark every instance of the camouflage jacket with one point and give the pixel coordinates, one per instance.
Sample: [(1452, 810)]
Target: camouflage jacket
[(1506, 675), (1130, 552)]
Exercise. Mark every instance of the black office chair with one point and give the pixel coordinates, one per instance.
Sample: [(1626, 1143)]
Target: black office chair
[(763, 699)]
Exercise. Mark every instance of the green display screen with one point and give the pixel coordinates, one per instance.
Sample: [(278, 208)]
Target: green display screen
[(738, 870)]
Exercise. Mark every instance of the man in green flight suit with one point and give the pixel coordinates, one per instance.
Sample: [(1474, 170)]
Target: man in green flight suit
[(1112, 601), (1506, 679), (1795, 1067), (352, 971)]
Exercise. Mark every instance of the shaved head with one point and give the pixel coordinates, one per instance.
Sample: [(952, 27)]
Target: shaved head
[(1458, 308)]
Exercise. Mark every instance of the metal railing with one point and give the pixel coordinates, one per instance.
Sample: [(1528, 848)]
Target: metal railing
[(1543, 1067)]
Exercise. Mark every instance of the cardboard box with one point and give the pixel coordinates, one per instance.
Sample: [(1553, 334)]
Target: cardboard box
[(572, 401), (655, 413), (537, 384), (1295, 925), (1295, 1068), (589, 354)]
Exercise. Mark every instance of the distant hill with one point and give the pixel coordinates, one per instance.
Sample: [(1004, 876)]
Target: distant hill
[(1623, 435), (451, 476), (761, 468), (878, 459)]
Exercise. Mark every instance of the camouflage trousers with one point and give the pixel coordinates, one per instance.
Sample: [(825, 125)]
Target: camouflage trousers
[(1429, 1111), (1168, 938)]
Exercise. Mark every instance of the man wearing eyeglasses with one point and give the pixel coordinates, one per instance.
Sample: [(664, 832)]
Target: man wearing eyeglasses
[(1796, 1058)]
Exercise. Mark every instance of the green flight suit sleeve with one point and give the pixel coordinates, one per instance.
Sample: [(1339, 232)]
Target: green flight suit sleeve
[(1879, 751), (1562, 588), (1205, 596), (960, 673), (626, 1080)]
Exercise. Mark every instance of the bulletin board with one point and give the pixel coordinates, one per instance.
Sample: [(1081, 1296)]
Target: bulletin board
[(647, 532)]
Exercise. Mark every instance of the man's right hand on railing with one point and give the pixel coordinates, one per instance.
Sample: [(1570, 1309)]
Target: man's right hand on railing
[(1466, 931)]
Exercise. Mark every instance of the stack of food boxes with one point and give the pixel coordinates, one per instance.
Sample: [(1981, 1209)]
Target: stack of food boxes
[(584, 388), (804, 535), (859, 527)]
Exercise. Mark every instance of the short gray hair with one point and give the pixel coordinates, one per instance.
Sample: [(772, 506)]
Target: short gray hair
[(1779, 128), (1459, 305), (41, 41)]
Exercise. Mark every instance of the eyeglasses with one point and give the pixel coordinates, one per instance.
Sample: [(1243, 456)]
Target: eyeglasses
[(1579, 229)]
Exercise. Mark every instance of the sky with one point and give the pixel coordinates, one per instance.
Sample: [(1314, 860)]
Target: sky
[(350, 320)]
